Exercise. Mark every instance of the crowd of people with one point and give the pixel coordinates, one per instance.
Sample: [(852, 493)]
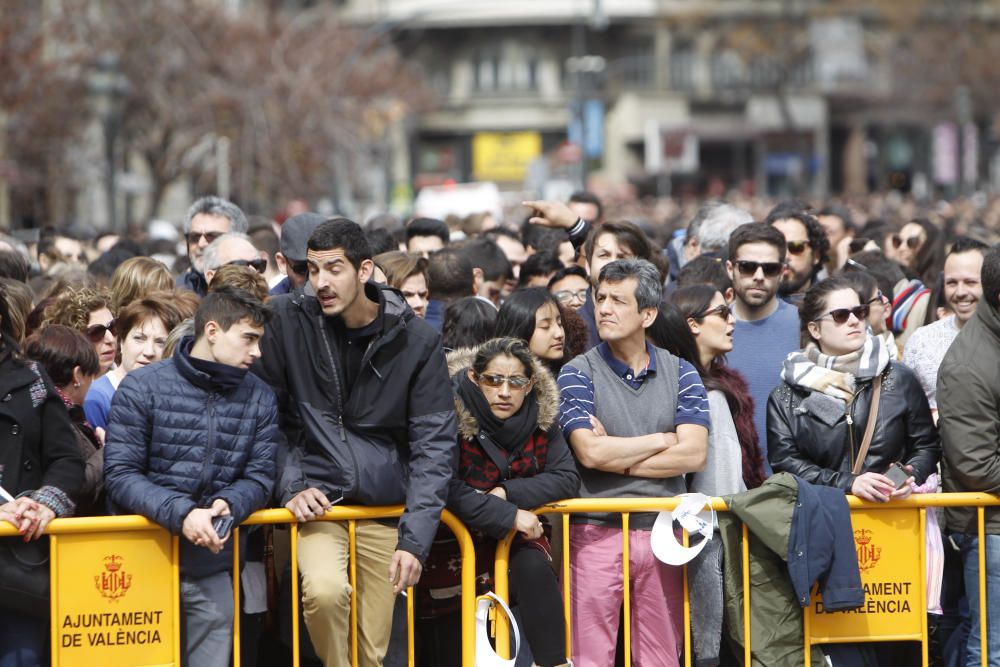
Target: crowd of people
[(489, 369)]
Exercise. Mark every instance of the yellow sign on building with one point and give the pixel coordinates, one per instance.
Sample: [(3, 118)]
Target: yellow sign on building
[(504, 156), (117, 601), (889, 552)]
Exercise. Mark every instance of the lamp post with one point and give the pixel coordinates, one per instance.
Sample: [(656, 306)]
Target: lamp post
[(108, 88)]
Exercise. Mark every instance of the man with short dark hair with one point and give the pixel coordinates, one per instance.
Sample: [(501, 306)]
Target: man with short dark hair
[(767, 328), (588, 206), (192, 439), (207, 219), (806, 245), (968, 397), (538, 269), (490, 269), (637, 420), (449, 278), (426, 235), (838, 224), (365, 402), (706, 270), (292, 257)]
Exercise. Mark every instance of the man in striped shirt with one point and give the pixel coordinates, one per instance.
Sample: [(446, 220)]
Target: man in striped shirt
[(637, 420)]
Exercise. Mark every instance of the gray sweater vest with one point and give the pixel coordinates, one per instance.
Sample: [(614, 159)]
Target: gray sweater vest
[(627, 413)]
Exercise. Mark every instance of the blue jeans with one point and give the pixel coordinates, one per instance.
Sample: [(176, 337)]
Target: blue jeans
[(23, 640), (970, 560), (207, 613)]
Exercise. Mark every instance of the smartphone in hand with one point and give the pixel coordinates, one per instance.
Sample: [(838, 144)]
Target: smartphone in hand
[(897, 474), (222, 525)]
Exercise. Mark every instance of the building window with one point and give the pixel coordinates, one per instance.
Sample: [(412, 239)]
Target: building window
[(506, 68)]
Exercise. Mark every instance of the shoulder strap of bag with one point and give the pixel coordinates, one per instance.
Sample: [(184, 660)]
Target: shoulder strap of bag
[(866, 441), (496, 454)]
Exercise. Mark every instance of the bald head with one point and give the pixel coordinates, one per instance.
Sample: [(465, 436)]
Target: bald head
[(228, 248)]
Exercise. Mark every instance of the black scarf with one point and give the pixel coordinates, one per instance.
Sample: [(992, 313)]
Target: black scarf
[(508, 433)]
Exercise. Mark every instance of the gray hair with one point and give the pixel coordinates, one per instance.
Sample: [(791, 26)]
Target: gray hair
[(648, 289), (718, 225), (220, 207), (210, 256)]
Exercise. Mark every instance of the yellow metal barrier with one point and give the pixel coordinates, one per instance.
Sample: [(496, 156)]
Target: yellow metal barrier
[(137, 524), (859, 508)]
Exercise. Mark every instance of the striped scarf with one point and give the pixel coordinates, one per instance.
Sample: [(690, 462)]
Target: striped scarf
[(835, 376), (904, 302)]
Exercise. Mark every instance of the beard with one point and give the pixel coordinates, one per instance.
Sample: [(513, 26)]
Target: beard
[(793, 283)]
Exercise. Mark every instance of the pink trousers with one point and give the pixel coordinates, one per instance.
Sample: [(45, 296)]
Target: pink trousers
[(597, 593)]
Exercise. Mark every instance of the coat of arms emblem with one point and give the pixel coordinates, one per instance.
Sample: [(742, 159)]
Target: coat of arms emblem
[(868, 553), (114, 582)]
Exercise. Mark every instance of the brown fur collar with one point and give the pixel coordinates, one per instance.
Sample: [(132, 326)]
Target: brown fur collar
[(546, 392)]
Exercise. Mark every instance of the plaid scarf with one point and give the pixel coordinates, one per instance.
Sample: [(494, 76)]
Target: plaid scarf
[(835, 376)]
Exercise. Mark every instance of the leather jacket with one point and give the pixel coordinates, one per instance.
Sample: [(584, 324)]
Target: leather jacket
[(801, 443)]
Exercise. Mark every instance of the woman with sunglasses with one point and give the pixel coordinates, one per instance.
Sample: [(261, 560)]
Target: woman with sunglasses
[(142, 328), (512, 458), (817, 416), (733, 439), (88, 311)]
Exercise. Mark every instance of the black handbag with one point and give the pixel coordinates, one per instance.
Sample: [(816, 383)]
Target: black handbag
[(24, 576)]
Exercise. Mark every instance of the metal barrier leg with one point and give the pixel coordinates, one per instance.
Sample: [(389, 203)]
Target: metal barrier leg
[(627, 599), (746, 599), (566, 598), (925, 637), (296, 601), (352, 536), (235, 537), (687, 606), (410, 628), (981, 521)]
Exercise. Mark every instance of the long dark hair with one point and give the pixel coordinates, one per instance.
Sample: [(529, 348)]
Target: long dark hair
[(814, 303), (670, 332), (8, 337), (689, 302), (516, 319), (468, 322)]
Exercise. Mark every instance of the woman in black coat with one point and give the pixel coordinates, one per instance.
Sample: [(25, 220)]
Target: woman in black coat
[(512, 458), (41, 467), (817, 416)]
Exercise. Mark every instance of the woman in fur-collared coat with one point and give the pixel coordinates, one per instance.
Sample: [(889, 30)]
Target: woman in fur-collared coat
[(512, 458)]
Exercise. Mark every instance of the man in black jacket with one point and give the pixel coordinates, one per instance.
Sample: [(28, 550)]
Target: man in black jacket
[(365, 402)]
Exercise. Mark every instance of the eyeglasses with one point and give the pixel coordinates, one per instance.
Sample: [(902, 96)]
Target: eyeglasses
[(912, 242), (301, 268), (798, 247), (95, 333), (567, 295), (193, 238), (723, 311), (841, 315), (770, 269), (515, 382), (259, 265), (879, 297)]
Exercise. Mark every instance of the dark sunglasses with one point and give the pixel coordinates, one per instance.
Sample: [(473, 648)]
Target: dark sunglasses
[(95, 333), (797, 247), (194, 237), (300, 268), (879, 297), (723, 311), (841, 315), (258, 265), (912, 242), (496, 381), (748, 269)]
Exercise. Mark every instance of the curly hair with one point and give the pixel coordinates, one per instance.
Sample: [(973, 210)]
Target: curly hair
[(73, 307)]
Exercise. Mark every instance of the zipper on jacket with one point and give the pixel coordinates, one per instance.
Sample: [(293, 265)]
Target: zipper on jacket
[(207, 466), (339, 391)]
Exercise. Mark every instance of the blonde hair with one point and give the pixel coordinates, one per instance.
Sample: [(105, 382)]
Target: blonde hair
[(137, 277), (241, 277), (398, 266), (73, 307)]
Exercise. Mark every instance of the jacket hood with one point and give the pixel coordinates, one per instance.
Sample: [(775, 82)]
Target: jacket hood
[(546, 393), (990, 316)]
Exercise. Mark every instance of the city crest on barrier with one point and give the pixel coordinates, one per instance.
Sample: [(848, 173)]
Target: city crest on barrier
[(868, 553), (114, 582)]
